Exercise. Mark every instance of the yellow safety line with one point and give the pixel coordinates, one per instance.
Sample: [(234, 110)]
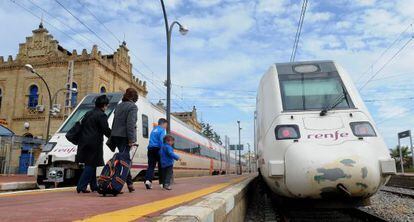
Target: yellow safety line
[(136, 212)]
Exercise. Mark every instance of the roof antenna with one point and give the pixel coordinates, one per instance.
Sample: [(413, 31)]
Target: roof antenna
[(123, 41), (41, 22)]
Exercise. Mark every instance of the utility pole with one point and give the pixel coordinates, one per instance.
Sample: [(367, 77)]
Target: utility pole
[(228, 158), (250, 165), (239, 148)]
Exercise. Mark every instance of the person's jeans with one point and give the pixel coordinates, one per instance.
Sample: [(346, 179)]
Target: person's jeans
[(122, 144), (167, 172), (88, 176), (153, 160)]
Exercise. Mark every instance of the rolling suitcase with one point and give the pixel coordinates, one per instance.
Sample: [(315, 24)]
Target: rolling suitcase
[(114, 174)]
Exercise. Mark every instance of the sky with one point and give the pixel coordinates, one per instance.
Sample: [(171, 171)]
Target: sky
[(231, 43)]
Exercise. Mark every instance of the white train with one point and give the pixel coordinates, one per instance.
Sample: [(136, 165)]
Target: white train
[(200, 156), (314, 135)]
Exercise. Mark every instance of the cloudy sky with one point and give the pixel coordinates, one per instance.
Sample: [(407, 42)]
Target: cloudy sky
[(231, 43)]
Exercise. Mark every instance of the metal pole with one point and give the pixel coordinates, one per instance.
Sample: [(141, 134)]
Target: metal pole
[(240, 166), (411, 147), (401, 158), (50, 104), (168, 83), (250, 165), (10, 155)]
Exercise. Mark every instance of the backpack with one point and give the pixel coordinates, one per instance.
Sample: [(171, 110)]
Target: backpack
[(75, 132)]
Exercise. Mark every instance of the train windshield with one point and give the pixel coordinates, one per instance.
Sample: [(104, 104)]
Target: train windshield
[(313, 91), (87, 105)]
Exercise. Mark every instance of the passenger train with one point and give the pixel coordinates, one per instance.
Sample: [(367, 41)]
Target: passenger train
[(200, 156), (314, 135)]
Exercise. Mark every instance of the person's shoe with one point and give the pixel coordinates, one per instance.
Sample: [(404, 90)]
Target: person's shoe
[(168, 188), (83, 191), (162, 186), (148, 185), (131, 188)]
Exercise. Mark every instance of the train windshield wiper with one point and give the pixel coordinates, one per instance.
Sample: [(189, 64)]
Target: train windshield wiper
[(336, 102)]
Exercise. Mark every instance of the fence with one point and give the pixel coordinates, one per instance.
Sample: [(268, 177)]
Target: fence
[(17, 153)]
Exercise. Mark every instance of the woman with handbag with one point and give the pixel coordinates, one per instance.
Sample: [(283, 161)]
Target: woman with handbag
[(124, 129), (90, 146)]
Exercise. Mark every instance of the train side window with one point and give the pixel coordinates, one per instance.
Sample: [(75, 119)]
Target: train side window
[(145, 126)]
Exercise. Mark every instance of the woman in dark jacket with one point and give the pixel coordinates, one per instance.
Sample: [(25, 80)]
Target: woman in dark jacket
[(90, 148), (124, 129)]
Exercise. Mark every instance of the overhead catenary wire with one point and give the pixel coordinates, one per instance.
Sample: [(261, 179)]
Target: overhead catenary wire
[(100, 22), (398, 39), (107, 44), (298, 30), (386, 63), (85, 25), (51, 25), (63, 23)]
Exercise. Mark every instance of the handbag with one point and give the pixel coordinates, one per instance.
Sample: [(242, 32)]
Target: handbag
[(110, 143), (74, 134)]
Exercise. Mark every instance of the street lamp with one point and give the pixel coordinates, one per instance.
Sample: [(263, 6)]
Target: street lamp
[(168, 31), (30, 68), (240, 166), (54, 99)]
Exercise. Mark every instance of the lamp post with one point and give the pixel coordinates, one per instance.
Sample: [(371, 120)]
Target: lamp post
[(32, 70), (240, 166), (250, 165), (54, 99), (168, 31)]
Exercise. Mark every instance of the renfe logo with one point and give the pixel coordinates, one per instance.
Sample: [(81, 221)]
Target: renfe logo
[(335, 136)]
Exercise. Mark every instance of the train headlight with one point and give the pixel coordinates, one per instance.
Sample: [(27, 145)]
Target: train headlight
[(362, 129), (287, 132)]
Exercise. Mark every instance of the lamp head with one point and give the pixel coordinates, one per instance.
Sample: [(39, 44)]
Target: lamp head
[(183, 30), (29, 68)]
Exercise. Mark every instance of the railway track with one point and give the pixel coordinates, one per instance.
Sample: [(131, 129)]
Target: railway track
[(315, 214), (264, 207), (402, 192)]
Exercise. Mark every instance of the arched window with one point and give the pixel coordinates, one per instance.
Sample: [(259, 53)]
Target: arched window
[(74, 99), (103, 89), (33, 96)]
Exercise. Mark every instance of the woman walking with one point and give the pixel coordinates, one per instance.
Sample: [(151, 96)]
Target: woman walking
[(90, 148), (124, 129)]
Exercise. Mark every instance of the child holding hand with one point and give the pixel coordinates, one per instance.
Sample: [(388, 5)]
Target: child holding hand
[(167, 157)]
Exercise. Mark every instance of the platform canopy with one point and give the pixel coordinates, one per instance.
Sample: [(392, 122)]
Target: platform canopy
[(4, 131)]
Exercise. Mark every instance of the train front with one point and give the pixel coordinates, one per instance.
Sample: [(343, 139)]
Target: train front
[(323, 143), (56, 164)]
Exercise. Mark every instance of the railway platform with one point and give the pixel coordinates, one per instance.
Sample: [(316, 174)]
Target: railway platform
[(16, 182), (64, 204)]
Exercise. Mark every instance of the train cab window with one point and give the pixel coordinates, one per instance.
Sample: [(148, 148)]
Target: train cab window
[(313, 91), (145, 126)]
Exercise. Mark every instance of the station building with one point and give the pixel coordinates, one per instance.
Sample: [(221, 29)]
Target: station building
[(24, 101)]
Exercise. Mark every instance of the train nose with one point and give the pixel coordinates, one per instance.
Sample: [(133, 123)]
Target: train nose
[(321, 171)]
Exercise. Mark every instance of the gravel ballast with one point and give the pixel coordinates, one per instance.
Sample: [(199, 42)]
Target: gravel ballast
[(391, 206)]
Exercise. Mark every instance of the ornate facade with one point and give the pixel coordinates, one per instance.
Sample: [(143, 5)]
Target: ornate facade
[(24, 101), (189, 118)]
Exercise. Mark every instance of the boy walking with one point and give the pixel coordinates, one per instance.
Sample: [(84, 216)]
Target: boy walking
[(167, 160), (154, 146)]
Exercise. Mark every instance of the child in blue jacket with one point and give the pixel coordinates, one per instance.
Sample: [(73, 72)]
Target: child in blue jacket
[(167, 157)]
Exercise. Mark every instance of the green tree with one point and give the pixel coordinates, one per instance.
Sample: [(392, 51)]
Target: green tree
[(395, 153), (208, 131)]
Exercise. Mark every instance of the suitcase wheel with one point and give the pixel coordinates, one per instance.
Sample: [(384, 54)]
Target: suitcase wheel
[(115, 194)]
